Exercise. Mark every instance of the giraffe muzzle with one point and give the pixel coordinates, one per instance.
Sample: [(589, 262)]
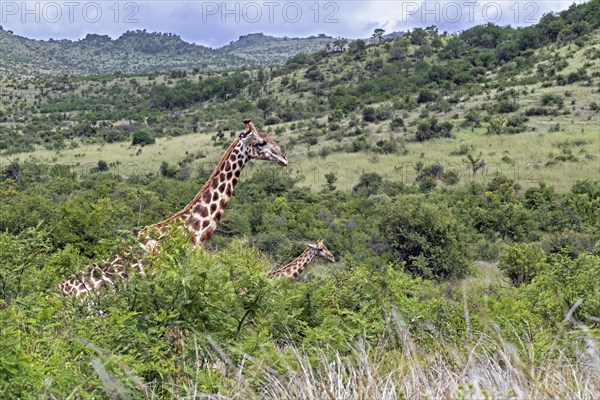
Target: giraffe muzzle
[(281, 160)]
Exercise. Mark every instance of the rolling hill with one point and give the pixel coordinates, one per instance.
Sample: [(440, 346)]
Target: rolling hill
[(139, 51)]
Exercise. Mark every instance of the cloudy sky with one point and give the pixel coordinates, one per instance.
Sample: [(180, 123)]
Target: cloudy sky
[(216, 23)]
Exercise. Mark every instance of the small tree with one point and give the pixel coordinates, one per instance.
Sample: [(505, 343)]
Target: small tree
[(265, 105), (378, 35), (102, 166), (331, 179)]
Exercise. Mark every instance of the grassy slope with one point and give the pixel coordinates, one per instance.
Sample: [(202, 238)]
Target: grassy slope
[(527, 157), (528, 151)]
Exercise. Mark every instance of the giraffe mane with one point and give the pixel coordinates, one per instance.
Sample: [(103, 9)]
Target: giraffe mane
[(196, 198)]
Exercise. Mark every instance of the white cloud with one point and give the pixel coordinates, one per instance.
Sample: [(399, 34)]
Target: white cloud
[(215, 23)]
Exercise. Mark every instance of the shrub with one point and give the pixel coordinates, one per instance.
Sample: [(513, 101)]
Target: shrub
[(386, 146), (472, 118), (427, 184), (539, 111), (331, 179), (142, 138), (496, 127), (583, 203), (102, 166), (369, 183), (369, 114), (521, 262), (424, 237), (167, 170), (396, 123), (425, 96), (516, 124), (506, 106), (570, 243), (431, 128), (450, 177), (563, 283), (550, 99)]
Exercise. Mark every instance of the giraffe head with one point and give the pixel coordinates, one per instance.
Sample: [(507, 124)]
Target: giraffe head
[(261, 146), (322, 250)]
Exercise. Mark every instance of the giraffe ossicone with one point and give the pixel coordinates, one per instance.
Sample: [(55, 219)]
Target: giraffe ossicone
[(294, 269), (199, 217)]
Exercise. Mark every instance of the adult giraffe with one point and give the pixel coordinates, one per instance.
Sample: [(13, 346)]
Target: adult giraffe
[(200, 216)]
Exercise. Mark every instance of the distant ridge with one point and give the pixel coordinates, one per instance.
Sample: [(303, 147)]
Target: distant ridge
[(268, 50), (140, 51)]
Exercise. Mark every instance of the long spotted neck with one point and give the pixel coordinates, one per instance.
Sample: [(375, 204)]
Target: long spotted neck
[(203, 213), (295, 268)]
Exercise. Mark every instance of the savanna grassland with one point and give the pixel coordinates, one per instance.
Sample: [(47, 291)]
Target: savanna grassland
[(454, 178)]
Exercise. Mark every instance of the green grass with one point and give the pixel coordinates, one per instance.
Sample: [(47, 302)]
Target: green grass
[(529, 152)]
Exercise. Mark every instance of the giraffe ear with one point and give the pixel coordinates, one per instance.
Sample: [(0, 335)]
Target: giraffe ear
[(247, 137), (313, 246)]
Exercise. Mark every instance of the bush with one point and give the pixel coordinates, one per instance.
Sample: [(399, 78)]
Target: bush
[(167, 170), (563, 283), (369, 114), (521, 262), (506, 106), (431, 128), (450, 177), (426, 96), (584, 202), (424, 237), (142, 138), (570, 243), (369, 184), (396, 123), (550, 99), (102, 166), (387, 146)]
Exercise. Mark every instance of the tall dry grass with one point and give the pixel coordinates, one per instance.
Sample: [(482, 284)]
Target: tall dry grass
[(487, 366)]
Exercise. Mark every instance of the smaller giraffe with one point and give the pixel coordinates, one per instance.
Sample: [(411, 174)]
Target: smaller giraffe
[(294, 269)]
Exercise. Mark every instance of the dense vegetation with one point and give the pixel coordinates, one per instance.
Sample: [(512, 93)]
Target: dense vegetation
[(53, 223), (490, 288)]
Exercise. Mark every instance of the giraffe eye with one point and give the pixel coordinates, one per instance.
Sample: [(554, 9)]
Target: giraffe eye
[(261, 144)]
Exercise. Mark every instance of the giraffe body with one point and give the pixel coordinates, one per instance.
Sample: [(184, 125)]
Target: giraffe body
[(105, 273), (200, 217), (296, 268)]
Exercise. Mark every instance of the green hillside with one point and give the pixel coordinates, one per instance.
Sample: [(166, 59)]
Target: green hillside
[(455, 179), (142, 52), (377, 106)]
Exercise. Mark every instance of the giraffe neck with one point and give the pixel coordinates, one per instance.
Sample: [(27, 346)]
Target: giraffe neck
[(200, 217), (203, 213), (295, 268)]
